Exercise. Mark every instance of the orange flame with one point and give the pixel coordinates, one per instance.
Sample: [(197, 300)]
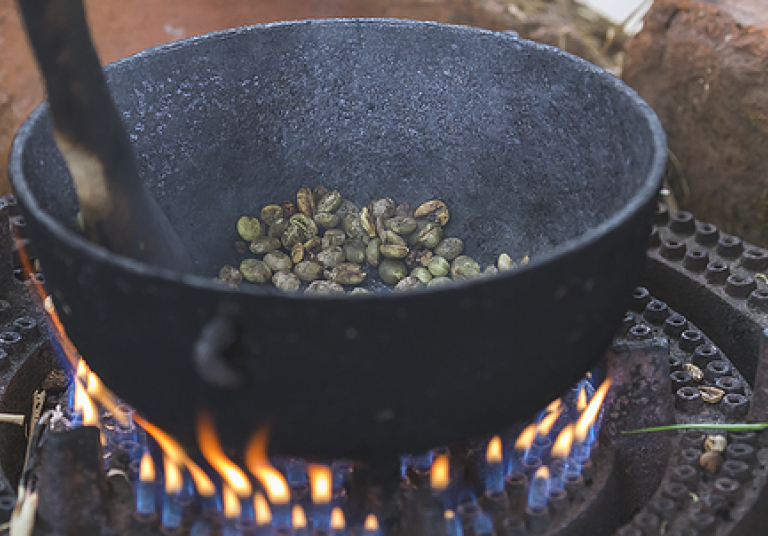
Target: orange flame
[(494, 452), (258, 464), (440, 475), (147, 468), (542, 472), (320, 481), (80, 396), (48, 305), (449, 514), (106, 398), (553, 406), (176, 454), (82, 371), (337, 519), (91, 381), (589, 415), (170, 447), (95, 387), (562, 445), (203, 483), (214, 454), (173, 478), (232, 506), (90, 413), (298, 517), (371, 523), (581, 403), (526, 437), (40, 297), (261, 507), (549, 421)]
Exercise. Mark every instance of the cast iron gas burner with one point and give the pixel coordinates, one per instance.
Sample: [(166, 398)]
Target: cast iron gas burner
[(698, 356)]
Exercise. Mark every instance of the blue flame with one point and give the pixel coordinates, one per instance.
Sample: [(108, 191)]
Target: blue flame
[(247, 510), (127, 431), (340, 469), (214, 503), (281, 515), (482, 524), (538, 494), (405, 462), (230, 528), (558, 473), (423, 463), (321, 515), (202, 527), (172, 511), (453, 527), (145, 498), (187, 493), (295, 471)]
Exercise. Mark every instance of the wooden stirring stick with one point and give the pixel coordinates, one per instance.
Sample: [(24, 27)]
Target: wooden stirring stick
[(118, 211)]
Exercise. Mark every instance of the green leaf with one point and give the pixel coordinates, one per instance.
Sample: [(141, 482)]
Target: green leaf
[(702, 426)]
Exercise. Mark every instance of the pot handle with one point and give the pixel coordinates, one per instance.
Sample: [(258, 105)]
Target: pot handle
[(215, 347)]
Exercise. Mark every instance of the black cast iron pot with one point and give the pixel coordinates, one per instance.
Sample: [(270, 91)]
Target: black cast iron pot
[(535, 152)]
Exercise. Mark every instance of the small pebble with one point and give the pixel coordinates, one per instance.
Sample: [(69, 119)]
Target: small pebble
[(333, 237), (440, 282), (329, 202), (383, 207), (438, 266), (355, 252), (326, 220), (264, 244), (255, 271), (711, 461), (331, 257), (464, 267), (715, 443), (392, 271), (393, 251), (286, 281), (278, 261), (402, 225), (347, 273), (505, 263), (324, 287), (248, 228), (409, 283), (694, 371), (230, 275), (449, 248), (270, 214), (372, 253), (308, 270), (424, 275), (711, 395)]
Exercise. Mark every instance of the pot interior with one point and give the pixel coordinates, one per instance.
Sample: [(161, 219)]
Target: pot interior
[(529, 148)]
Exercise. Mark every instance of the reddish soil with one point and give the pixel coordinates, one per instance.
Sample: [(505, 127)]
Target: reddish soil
[(120, 29), (702, 66)]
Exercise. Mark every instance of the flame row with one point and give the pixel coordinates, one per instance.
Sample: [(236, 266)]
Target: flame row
[(564, 446), (89, 391), (237, 487)]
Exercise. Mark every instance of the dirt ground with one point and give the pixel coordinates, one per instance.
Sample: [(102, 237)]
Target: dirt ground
[(120, 29)]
